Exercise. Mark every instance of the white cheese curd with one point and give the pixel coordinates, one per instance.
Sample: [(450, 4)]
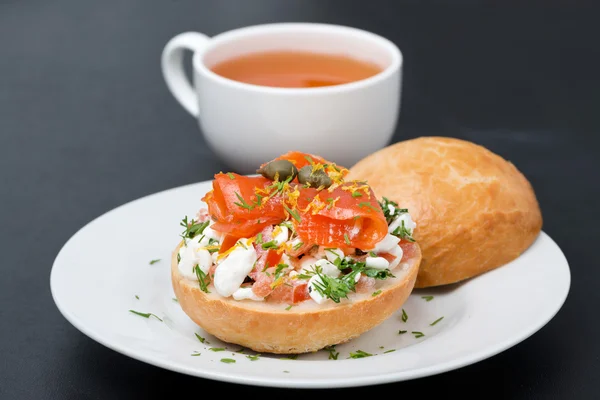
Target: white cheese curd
[(377, 262), (232, 271), (386, 244), (398, 254), (191, 255), (409, 224), (392, 209), (280, 234), (334, 254), (246, 293), (328, 268)]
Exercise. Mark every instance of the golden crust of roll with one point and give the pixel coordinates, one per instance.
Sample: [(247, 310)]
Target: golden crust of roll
[(269, 328), (474, 210)]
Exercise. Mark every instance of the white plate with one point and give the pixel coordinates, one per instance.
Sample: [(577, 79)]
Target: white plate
[(99, 272)]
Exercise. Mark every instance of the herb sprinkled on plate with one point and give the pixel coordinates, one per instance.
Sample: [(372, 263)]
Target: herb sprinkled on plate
[(227, 360), (360, 354), (145, 315), (404, 316), (436, 321), (427, 298), (152, 262)]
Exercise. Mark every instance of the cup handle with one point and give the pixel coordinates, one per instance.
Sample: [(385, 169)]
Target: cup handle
[(172, 68)]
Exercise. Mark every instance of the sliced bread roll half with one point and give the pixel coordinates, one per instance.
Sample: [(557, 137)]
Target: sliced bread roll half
[(273, 327)]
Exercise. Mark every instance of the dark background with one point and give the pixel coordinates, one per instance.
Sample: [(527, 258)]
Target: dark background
[(87, 124)]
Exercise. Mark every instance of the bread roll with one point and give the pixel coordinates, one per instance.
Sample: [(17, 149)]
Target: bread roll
[(474, 210), (269, 327)]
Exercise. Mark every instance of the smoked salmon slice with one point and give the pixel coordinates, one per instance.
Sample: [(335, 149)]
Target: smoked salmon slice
[(237, 209), (347, 216)]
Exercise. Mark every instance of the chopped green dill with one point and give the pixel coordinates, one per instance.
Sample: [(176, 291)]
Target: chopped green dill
[(145, 315), (427, 298), (338, 288), (288, 308), (418, 334), (200, 338), (436, 321), (309, 159), (346, 239), (297, 246), (290, 357), (192, 228), (389, 351), (240, 350), (253, 358), (404, 316), (175, 300), (360, 354), (293, 213), (195, 354), (269, 245), (230, 175), (333, 354), (227, 360), (152, 262), (215, 349), (375, 293), (372, 254), (356, 217), (279, 270), (287, 372), (356, 194), (367, 204), (403, 233), (390, 215), (203, 279), (243, 203), (401, 332), (259, 238), (137, 297)]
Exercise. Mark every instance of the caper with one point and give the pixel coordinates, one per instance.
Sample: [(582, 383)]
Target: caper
[(280, 169), (317, 178)]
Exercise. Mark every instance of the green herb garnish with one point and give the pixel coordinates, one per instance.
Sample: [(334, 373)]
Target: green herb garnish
[(230, 175), (288, 308), (145, 315), (195, 354), (402, 332), (427, 298), (346, 239), (436, 321), (293, 213), (200, 338), (253, 358), (403, 233), (137, 297), (175, 300), (215, 349), (297, 246), (192, 228), (269, 245), (356, 194), (375, 293), (367, 204), (418, 334), (360, 354), (333, 354), (404, 316), (227, 360), (203, 279), (259, 238), (154, 261), (389, 351), (242, 202)]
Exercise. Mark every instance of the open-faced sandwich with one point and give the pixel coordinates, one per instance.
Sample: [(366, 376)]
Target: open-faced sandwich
[(294, 259)]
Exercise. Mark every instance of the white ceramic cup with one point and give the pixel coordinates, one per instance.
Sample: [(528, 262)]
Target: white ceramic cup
[(246, 124)]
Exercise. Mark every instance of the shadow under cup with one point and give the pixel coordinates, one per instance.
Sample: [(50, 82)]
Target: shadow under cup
[(247, 125)]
